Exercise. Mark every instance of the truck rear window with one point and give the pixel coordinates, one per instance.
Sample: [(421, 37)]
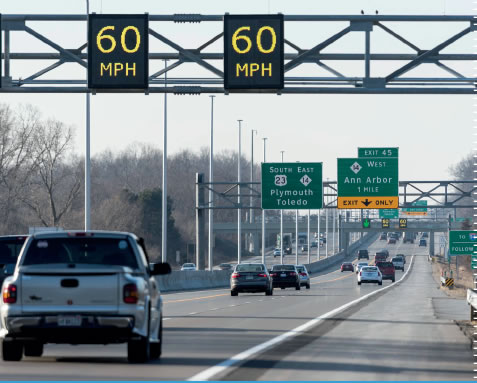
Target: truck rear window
[(89, 251)]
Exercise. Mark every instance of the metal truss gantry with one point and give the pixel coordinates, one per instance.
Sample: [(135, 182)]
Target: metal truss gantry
[(438, 194), (394, 82)]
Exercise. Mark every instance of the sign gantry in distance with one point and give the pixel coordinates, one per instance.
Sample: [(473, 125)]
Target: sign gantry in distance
[(118, 51), (253, 52), (292, 185)]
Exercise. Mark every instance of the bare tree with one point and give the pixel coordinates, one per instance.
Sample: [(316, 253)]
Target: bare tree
[(17, 164), (57, 182)]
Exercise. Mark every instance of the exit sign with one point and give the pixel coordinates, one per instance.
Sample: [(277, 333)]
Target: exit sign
[(378, 152)]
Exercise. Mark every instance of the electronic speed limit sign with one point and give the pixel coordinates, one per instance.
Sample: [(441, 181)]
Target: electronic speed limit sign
[(118, 51), (253, 51)]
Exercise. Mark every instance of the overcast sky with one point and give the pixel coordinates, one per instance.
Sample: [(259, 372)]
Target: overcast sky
[(432, 131)]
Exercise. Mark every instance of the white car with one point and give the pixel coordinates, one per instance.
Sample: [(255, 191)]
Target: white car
[(359, 265), (370, 274), (82, 287), (304, 276), (188, 266), (398, 263), (277, 252)]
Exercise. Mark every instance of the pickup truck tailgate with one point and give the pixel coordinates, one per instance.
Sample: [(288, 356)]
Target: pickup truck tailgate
[(71, 291)]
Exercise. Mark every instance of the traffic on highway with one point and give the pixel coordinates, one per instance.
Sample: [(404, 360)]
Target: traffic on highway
[(144, 236), (212, 335)]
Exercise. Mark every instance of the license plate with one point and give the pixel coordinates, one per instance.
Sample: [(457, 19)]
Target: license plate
[(283, 275), (249, 277), (69, 320)]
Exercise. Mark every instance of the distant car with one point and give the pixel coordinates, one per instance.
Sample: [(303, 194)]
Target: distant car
[(383, 237), (387, 270), (188, 266), (304, 276), (381, 256), (398, 263), (287, 250), (304, 248), (391, 241), (314, 244), (422, 242), (402, 256), (363, 254), (425, 235), (277, 252), (347, 266), (285, 276), (225, 266), (359, 265), (370, 274), (250, 278), (10, 246)]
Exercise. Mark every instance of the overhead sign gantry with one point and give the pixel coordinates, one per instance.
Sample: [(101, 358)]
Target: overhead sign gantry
[(252, 59)]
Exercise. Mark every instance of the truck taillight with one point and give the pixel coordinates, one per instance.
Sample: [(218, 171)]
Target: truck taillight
[(235, 275), (130, 293), (10, 294)]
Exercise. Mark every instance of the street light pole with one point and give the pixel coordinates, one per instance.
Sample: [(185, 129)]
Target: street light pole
[(211, 179), (87, 157), (281, 226), (263, 210), (164, 175), (239, 221), (252, 235)]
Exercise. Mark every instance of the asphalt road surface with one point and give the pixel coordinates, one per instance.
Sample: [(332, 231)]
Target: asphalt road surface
[(392, 336)]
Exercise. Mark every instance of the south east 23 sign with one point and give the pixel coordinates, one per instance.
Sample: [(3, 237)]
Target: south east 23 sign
[(118, 51), (253, 51)]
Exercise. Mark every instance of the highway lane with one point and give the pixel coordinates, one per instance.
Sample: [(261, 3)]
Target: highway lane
[(398, 337), (201, 330)]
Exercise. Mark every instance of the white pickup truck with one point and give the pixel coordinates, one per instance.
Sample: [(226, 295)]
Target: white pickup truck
[(82, 287)]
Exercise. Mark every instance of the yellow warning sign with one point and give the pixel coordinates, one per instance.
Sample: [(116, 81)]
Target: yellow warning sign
[(368, 202)]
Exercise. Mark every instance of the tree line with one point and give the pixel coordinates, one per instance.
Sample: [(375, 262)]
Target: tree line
[(42, 184)]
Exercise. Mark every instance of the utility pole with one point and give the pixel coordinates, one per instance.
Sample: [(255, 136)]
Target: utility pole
[(239, 220), (263, 210)]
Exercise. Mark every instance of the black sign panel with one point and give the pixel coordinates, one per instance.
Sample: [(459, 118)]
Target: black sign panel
[(385, 223), (402, 223), (118, 51), (253, 51)]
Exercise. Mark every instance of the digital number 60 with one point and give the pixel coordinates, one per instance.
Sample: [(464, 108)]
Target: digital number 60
[(236, 37), (101, 36)]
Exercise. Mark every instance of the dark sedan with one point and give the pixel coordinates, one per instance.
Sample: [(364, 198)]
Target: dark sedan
[(285, 276), (347, 266), (250, 278), (10, 246)]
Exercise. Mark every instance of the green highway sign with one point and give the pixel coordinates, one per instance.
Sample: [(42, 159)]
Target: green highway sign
[(473, 262), (366, 223), (292, 185), (388, 213), (368, 183), (420, 209), (378, 152), (461, 242)]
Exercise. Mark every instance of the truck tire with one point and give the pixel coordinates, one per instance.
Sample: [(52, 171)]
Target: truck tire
[(156, 348), (233, 293), (33, 349), (139, 350), (297, 287), (12, 351)]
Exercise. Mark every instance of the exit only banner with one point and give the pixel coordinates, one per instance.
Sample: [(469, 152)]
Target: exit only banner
[(368, 202)]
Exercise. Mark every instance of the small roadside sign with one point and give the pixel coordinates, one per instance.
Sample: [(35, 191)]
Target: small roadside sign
[(385, 223), (402, 223)]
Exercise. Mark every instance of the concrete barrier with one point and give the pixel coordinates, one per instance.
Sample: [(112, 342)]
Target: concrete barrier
[(193, 280), (190, 280)]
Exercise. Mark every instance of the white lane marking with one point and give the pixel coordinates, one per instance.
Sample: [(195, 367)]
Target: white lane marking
[(247, 302), (193, 313), (166, 318), (232, 305), (221, 367)]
